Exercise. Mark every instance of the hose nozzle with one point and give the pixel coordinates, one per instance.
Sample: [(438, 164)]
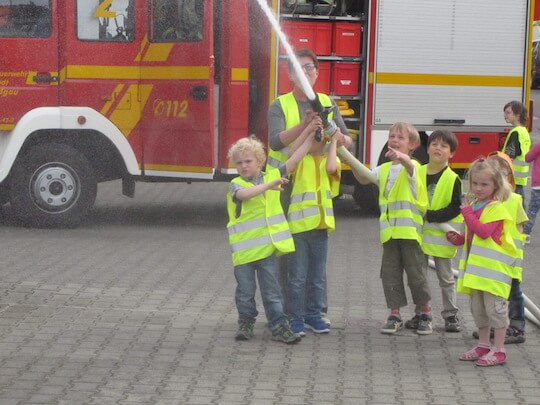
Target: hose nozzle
[(329, 126)]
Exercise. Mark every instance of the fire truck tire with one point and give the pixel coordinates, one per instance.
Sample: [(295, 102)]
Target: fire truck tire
[(52, 186), (367, 198)]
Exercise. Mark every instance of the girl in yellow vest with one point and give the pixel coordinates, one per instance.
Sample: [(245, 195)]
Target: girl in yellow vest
[(514, 205), (518, 143), (487, 264), (258, 232), (311, 219)]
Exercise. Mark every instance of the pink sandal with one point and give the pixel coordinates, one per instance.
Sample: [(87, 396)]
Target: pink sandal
[(492, 359), (474, 354)]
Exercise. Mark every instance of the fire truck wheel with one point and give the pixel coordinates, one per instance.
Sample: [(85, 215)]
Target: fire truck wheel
[(52, 186), (367, 198)]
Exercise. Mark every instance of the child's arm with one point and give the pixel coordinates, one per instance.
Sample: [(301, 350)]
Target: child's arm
[(533, 154), (302, 145), (250, 192), (331, 160), (309, 130), (403, 158), (483, 231), (450, 211)]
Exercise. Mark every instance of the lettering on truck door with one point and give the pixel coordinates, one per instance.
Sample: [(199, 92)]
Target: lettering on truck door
[(177, 61), (28, 79)]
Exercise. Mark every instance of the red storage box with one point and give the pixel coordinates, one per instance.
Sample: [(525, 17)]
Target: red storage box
[(323, 84), (347, 39), (316, 36), (345, 78)]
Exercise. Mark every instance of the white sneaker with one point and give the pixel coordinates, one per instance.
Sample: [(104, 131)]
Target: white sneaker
[(527, 239)]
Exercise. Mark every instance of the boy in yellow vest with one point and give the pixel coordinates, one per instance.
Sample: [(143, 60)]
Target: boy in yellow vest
[(517, 144), (311, 219), (403, 202), (258, 232), (444, 195)]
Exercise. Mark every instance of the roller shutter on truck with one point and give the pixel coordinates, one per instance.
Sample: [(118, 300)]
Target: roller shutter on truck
[(452, 62)]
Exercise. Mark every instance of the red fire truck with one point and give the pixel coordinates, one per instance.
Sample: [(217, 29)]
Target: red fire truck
[(157, 90)]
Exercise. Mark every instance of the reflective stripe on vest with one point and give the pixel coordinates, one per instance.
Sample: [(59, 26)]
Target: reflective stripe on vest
[(305, 209), (520, 166), (489, 266), (512, 205), (434, 240), (401, 214), (292, 118), (261, 228)]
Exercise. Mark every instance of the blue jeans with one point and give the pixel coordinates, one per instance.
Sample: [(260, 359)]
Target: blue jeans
[(266, 271), (516, 311), (534, 206), (307, 275), (521, 191)]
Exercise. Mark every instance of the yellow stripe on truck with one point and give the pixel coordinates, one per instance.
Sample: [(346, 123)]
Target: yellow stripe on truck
[(138, 72), (424, 79), (240, 74)]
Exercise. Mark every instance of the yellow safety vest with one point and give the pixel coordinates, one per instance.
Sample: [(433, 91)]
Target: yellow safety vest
[(261, 229), (488, 266), (511, 206), (520, 166), (292, 119), (305, 209), (402, 215), (434, 240)]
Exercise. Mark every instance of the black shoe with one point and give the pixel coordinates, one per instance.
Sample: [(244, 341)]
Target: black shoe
[(413, 322), (514, 336), (424, 325), (392, 325), (451, 324)]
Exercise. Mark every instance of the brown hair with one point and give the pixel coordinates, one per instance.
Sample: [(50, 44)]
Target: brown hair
[(518, 109), (446, 137), (301, 53)]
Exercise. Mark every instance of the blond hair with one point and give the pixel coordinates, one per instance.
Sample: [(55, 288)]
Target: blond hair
[(502, 187), (409, 129), (247, 144)]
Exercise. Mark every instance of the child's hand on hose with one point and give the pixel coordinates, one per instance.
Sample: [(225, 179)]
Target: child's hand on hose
[(455, 238)]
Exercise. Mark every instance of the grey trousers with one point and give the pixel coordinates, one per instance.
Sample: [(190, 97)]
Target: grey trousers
[(404, 255)]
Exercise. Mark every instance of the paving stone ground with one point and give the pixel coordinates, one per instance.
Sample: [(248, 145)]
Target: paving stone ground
[(136, 307)]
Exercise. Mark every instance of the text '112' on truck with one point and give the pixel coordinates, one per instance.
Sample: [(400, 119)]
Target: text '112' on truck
[(158, 90)]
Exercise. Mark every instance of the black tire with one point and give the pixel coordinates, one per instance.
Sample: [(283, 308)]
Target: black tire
[(52, 186), (367, 198)]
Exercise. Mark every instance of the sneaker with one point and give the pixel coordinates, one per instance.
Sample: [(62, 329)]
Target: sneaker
[(317, 325), (245, 330), (451, 324), (413, 322), (298, 328), (527, 239), (392, 325), (491, 334), (492, 359), (424, 325), (514, 336), (325, 319), (474, 354), (283, 333)]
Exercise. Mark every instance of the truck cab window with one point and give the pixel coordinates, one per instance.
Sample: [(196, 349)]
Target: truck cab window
[(25, 19), (177, 20), (106, 20)]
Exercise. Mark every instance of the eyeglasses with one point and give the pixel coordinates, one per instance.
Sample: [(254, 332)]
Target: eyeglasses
[(309, 67)]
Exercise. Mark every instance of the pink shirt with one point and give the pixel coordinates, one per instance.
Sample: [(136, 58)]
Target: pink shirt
[(534, 156), (483, 231)]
